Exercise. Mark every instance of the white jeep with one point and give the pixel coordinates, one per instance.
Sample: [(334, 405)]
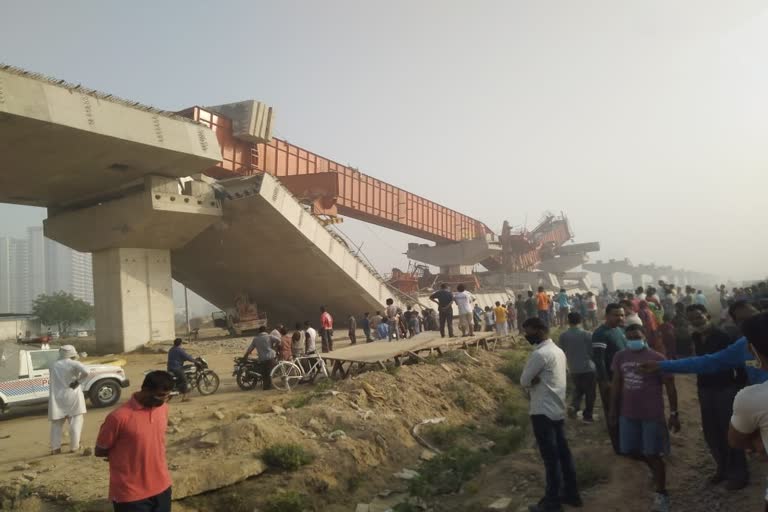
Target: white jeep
[(24, 378)]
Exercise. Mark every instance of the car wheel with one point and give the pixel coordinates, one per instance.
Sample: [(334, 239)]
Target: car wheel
[(105, 393)]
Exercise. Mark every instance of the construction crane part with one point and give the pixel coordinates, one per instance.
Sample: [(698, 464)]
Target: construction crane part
[(332, 188), (521, 251)]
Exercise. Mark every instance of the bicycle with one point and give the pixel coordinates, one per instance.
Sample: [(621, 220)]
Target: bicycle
[(288, 374)]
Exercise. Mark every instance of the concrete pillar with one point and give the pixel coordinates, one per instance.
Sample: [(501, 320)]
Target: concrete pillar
[(131, 238), (638, 280), (133, 297), (609, 280)]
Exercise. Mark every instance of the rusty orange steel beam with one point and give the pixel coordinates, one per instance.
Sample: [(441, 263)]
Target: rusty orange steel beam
[(337, 188)]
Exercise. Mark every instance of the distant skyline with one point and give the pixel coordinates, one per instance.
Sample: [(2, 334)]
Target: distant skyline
[(644, 121), (32, 265), (63, 272)]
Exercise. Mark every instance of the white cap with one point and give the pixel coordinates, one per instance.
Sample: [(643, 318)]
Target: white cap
[(67, 352)]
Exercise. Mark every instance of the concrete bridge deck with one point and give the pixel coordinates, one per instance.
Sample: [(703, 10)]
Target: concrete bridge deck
[(376, 353)]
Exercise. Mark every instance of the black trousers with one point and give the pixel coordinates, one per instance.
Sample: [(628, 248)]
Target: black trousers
[(584, 386), (446, 317), (181, 380), (613, 432), (716, 405), (558, 461), (265, 369), (158, 503)]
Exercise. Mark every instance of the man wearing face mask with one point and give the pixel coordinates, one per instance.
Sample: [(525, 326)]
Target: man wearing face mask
[(132, 437), (544, 376), (637, 407)]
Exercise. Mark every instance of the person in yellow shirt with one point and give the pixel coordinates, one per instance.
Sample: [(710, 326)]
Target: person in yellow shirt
[(543, 303), (502, 329)]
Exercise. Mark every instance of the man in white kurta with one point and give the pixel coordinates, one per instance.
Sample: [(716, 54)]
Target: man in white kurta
[(66, 400)]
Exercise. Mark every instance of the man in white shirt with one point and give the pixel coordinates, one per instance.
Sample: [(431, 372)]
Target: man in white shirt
[(544, 376), (464, 300), (310, 338), (392, 319), (749, 423), (66, 400)]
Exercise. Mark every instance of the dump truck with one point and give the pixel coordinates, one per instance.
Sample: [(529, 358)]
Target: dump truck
[(244, 317)]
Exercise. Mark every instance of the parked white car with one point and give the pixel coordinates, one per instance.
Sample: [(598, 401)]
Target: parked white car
[(24, 378)]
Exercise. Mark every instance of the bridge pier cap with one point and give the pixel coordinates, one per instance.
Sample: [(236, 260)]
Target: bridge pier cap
[(131, 239)]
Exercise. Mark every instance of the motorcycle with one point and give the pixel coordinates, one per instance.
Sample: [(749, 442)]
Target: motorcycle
[(246, 373), (199, 376)]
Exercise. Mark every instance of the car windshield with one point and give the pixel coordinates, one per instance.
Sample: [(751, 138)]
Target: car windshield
[(9, 361), (43, 359)]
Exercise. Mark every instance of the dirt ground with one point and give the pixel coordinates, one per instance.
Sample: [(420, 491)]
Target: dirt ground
[(214, 445)]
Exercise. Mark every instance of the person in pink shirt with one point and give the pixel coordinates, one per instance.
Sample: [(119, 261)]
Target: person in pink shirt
[(326, 329), (637, 407)]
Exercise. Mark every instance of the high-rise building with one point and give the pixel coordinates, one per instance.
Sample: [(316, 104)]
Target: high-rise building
[(14, 275), (37, 266)]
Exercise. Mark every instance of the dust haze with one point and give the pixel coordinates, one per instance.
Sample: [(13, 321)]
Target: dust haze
[(644, 122)]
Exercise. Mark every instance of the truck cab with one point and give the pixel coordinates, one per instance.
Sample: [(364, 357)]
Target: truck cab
[(24, 378), (244, 317)]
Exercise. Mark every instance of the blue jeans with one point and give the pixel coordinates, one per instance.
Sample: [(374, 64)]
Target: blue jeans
[(158, 503), (558, 462), (544, 317)]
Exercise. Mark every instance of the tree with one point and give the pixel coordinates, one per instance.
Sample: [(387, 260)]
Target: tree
[(61, 309)]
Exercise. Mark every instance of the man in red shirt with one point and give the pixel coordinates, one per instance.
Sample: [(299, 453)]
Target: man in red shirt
[(132, 437), (326, 329)]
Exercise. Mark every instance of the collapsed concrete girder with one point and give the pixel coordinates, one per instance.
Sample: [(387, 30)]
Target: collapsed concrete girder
[(268, 246)]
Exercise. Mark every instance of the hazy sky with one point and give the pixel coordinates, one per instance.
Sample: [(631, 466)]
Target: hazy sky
[(645, 121)]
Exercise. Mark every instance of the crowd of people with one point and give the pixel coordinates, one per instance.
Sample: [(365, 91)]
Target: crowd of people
[(646, 337), (629, 359)]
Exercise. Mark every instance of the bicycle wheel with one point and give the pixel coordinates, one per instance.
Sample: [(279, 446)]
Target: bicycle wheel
[(286, 375)]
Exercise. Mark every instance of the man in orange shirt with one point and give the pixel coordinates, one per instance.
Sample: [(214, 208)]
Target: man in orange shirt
[(543, 303), (132, 437)]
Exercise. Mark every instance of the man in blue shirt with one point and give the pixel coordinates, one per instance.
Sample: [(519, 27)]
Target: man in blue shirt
[(177, 356), (264, 344), (736, 355)]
